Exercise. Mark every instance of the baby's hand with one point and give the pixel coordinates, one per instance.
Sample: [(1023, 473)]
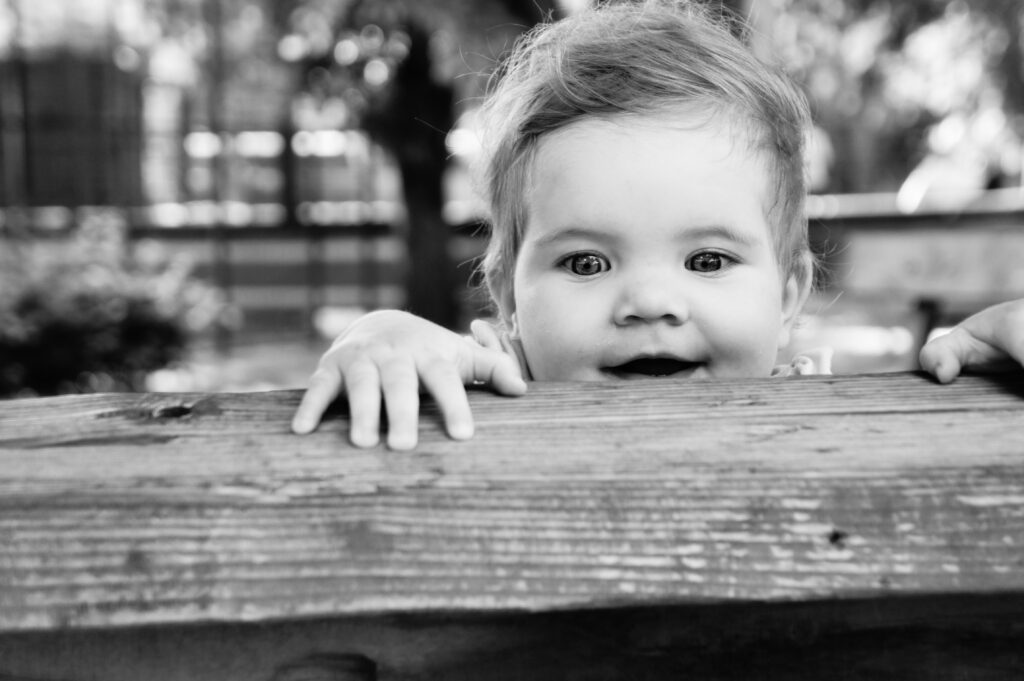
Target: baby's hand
[(393, 355), (991, 339)]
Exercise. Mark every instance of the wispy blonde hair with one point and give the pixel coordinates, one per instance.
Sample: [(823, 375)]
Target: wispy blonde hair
[(636, 58)]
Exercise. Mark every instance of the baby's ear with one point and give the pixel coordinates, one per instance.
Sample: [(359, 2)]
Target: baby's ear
[(795, 290)]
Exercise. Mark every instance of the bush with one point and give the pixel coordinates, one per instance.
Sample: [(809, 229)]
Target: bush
[(93, 313)]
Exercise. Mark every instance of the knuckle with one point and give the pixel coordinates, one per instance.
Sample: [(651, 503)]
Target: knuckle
[(360, 371), (399, 373), (346, 349), (438, 364)]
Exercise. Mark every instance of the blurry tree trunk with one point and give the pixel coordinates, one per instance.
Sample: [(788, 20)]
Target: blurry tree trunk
[(413, 124), (427, 112)]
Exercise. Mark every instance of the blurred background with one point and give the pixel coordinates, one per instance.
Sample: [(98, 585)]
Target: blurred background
[(199, 194)]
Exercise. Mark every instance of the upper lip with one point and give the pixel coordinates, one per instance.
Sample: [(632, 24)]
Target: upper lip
[(652, 365)]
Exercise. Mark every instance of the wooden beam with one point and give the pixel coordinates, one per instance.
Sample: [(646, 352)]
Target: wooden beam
[(142, 509)]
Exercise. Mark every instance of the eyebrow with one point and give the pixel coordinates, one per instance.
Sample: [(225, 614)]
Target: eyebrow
[(723, 232), (702, 232), (575, 233)]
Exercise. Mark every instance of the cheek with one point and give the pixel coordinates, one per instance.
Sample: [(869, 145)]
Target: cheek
[(747, 325), (544, 345), (553, 328), (542, 321), (531, 313)]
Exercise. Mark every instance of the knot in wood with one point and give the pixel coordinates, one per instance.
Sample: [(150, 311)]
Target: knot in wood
[(837, 538), (171, 411)]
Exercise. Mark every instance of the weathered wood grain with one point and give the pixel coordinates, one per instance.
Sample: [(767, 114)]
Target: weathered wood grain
[(136, 509)]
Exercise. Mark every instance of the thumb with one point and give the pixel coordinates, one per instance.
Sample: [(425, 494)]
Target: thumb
[(495, 369), (942, 356), (945, 356)]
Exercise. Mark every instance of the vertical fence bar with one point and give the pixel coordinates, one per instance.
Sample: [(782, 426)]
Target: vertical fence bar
[(215, 103), (14, 129), (21, 80)]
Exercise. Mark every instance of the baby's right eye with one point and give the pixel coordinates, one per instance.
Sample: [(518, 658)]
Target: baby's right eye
[(586, 264)]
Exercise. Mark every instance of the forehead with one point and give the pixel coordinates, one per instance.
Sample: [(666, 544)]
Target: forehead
[(648, 171)]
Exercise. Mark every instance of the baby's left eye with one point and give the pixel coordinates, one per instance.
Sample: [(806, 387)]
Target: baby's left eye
[(707, 261)]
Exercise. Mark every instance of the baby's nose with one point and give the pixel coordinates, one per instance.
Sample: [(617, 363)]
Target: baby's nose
[(651, 298)]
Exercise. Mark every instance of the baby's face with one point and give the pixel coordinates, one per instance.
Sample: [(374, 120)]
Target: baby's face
[(647, 252)]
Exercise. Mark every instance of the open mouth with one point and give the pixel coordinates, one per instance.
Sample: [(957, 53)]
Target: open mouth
[(651, 367)]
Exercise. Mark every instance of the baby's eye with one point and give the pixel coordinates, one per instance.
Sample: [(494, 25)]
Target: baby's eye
[(586, 264), (708, 261)]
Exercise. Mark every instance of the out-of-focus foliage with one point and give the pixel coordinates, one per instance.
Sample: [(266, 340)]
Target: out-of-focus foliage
[(88, 315), (927, 94), (377, 64), (403, 70), (360, 45), (932, 87)]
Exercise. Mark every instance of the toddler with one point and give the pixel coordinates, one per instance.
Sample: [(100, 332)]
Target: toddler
[(645, 179)]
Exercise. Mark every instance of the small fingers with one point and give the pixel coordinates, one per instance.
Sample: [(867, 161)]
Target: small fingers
[(939, 358), (444, 384), (491, 364), (363, 386), (991, 340), (1010, 338), (485, 335), (499, 371), (324, 386), (506, 376), (400, 387)]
